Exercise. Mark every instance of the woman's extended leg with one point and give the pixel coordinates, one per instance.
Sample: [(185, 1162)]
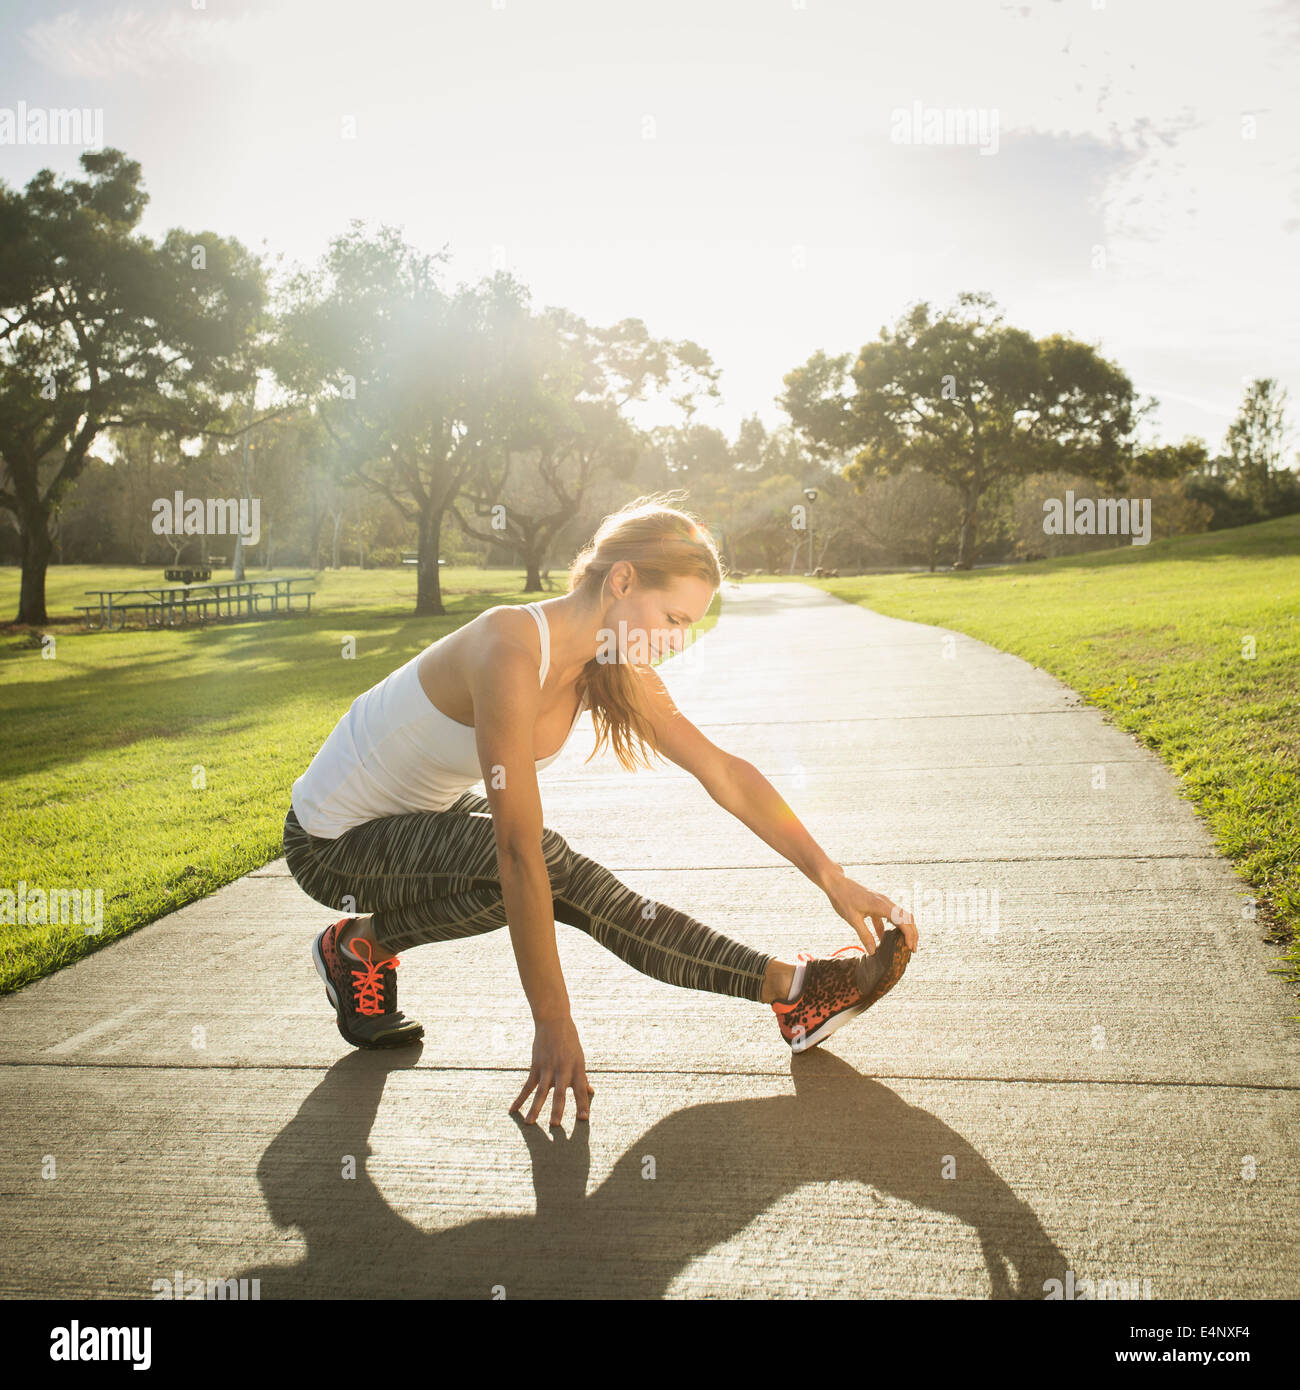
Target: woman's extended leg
[(656, 939), (432, 876)]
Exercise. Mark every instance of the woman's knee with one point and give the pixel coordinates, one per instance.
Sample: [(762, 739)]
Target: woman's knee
[(318, 883)]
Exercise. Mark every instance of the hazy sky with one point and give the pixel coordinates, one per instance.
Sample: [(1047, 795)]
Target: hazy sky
[(734, 171)]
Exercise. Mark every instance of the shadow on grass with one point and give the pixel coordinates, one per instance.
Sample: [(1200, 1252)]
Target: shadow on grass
[(164, 696)]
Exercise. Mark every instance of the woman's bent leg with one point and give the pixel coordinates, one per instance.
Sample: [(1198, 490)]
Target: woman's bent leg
[(425, 876)]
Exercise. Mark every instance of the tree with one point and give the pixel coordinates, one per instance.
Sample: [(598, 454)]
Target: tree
[(760, 523), (99, 327), (971, 402), (751, 441), (693, 452), (911, 518), (1172, 460), (412, 385), (1256, 441), (569, 428), (113, 500)]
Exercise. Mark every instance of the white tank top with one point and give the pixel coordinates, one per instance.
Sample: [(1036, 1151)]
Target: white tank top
[(395, 751)]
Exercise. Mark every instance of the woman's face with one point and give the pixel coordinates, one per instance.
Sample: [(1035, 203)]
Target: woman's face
[(652, 622)]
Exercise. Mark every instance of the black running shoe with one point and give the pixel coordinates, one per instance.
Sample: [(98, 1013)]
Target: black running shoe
[(363, 992)]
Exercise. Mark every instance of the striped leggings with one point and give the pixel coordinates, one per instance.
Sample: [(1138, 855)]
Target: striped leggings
[(432, 876)]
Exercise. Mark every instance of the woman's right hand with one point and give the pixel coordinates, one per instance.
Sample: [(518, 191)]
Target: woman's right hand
[(558, 1064), (860, 907)]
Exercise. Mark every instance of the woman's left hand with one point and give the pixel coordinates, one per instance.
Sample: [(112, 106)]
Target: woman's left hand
[(856, 904)]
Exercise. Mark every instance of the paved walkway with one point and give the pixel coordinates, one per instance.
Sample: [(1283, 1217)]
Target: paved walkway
[(1075, 1076)]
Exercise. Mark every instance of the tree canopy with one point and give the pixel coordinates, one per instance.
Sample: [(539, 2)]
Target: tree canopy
[(969, 400), (101, 328)]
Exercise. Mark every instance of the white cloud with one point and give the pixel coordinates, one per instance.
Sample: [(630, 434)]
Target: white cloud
[(132, 42)]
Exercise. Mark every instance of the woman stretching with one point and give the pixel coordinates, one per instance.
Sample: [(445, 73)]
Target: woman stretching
[(382, 824)]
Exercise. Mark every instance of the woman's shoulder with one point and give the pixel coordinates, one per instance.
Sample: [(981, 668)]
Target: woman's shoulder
[(444, 668), (502, 620), (509, 620), (507, 624)]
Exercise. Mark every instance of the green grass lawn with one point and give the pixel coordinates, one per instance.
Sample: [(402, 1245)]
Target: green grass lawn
[(107, 743), (1156, 635)]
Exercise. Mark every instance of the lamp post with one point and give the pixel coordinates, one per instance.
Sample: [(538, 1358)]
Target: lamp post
[(811, 494)]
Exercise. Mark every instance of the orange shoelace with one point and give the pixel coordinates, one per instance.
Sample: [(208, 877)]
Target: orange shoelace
[(369, 984)]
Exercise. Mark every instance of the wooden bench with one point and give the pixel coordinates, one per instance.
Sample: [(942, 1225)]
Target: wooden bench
[(99, 611), (273, 600), (178, 607), (176, 612)]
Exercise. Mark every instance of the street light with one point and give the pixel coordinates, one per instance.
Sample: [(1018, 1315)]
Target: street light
[(811, 494)]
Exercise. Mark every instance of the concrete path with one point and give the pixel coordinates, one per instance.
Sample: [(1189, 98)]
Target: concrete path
[(1089, 1072)]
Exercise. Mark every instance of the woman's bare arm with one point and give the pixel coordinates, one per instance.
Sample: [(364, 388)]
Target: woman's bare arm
[(502, 679)]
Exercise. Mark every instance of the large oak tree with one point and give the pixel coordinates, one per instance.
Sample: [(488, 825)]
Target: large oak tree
[(414, 385), (971, 401), (100, 327)]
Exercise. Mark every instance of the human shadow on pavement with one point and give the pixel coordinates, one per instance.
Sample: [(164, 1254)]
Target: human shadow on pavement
[(716, 1167)]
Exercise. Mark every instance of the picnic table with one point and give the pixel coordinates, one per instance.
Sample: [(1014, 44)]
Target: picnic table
[(158, 605)]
